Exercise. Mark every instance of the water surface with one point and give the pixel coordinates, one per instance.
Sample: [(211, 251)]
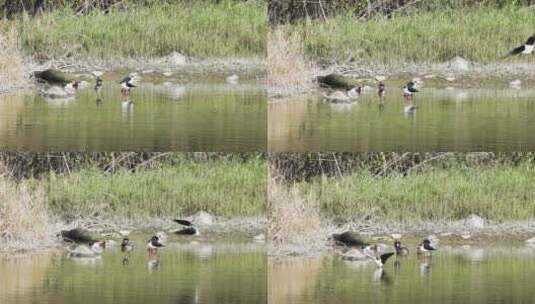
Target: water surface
[(447, 119), (453, 275), (212, 116), (183, 273)]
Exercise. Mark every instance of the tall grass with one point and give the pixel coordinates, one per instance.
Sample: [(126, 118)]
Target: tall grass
[(498, 193), (201, 29), (479, 34), (23, 214), (224, 188), (287, 65), (11, 73)]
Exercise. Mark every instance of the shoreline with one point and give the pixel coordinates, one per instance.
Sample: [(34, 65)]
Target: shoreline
[(109, 228), (252, 68), (462, 232), (458, 69)]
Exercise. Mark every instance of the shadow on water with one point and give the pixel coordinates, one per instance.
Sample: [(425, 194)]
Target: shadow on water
[(180, 273), (452, 275), (453, 119), (166, 116)]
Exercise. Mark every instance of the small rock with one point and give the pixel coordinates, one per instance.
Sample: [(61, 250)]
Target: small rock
[(233, 79), (147, 71), (167, 74), (203, 218), (124, 232), (260, 238), (515, 84), (396, 236), (446, 234), (450, 78), (97, 73), (449, 88), (430, 76), (466, 235), (474, 222), (175, 58), (380, 78), (459, 64), (531, 241)]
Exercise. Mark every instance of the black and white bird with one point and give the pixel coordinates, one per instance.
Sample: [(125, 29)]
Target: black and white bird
[(154, 243), (127, 84), (189, 228), (381, 90), (381, 260), (400, 249), (425, 247), (127, 245), (525, 49), (98, 85), (409, 89)]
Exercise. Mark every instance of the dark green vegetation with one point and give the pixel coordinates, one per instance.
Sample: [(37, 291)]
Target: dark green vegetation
[(145, 184), (152, 28), (413, 186), (407, 31)]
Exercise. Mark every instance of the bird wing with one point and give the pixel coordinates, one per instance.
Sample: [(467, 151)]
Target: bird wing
[(516, 50), (182, 222), (384, 257), (126, 79)]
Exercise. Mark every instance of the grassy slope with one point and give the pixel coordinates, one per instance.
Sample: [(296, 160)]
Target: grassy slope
[(203, 30), (483, 35), (226, 188), (498, 193)]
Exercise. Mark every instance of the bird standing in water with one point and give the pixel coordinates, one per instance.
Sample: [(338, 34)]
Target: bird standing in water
[(127, 84), (381, 91), (98, 85)]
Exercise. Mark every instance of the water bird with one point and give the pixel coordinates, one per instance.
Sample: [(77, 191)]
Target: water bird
[(425, 247), (409, 89), (127, 245), (80, 235), (84, 251), (98, 85), (400, 249), (524, 49), (189, 229), (127, 84), (381, 91), (381, 260), (153, 244)]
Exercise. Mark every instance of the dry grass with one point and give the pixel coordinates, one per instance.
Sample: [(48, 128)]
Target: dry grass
[(11, 61), (294, 220), (287, 65), (24, 220)]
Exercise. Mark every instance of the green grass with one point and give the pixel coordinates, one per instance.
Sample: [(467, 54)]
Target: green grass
[(200, 29), (498, 193), (482, 35), (225, 188)]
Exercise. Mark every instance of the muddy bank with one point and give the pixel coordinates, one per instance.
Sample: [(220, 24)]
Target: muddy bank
[(113, 228), (456, 72), (470, 231), (175, 63)]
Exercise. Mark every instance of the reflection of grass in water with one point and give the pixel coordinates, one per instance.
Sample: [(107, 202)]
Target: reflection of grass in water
[(226, 188), (478, 34), (196, 29), (498, 193)]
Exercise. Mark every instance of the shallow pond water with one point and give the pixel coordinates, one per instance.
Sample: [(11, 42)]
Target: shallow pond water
[(183, 273), (212, 116), (447, 119), (453, 275)]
